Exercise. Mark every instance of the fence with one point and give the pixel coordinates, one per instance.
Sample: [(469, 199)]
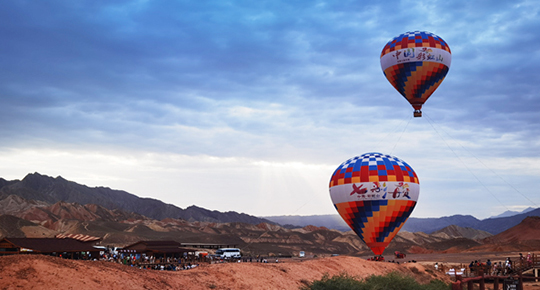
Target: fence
[(512, 277)]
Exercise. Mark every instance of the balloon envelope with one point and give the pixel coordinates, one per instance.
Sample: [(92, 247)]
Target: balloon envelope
[(375, 194), (415, 63)]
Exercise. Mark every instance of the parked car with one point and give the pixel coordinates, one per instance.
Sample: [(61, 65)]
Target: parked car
[(399, 255)]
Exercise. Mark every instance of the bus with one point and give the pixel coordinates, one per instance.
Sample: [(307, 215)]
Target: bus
[(228, 253)]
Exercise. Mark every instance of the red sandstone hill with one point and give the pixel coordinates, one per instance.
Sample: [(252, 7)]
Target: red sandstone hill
[(523, 237)]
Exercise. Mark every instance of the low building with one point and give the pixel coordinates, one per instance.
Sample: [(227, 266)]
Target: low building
[(60, 247)]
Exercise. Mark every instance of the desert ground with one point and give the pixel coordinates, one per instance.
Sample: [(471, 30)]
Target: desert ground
[(44, 272)]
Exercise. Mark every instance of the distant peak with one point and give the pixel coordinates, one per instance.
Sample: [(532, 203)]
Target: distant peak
[(35, 175), (510, 213), (194, 207)]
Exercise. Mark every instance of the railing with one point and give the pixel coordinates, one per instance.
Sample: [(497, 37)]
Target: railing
[(511, 278), (522, 264), (517, 282)]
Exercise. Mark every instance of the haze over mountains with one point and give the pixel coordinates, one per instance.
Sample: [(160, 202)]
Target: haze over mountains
[(43, 206)]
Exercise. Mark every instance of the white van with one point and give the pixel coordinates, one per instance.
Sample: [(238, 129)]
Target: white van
[(228, 253)]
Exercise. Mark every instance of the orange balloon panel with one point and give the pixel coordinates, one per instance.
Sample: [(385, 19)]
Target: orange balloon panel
[(376, 222), (416, 81)]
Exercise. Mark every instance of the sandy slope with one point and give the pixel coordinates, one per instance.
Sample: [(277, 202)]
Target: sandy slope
[(42, 272)]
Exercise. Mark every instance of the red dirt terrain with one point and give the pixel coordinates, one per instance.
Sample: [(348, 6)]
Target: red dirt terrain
[(45, 272)]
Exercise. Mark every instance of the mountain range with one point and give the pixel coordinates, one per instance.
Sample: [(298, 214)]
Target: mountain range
[(493, 225), (120, 228), (43, 206), (45, 189), (42, 188), (510, 213)]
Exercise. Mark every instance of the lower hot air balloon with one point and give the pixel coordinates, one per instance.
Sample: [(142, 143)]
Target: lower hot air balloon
[(415, 63), (375, 194)]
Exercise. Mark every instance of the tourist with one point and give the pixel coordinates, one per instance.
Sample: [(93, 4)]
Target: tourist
[(508, 266), (496, 269)]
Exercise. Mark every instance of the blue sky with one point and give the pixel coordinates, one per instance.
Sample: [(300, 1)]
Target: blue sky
[(250, 106)]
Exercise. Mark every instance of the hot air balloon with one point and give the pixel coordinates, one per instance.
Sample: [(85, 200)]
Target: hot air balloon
[(415, 63), (375, 194)]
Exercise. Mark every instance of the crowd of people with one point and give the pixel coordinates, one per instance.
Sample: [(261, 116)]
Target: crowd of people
[(151, 262), (506, 267), (182, 262), (498, 268)]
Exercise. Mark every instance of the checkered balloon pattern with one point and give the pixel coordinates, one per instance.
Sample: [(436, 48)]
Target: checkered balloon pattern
[(371, 167), (377, 211), (415, 39), (415, 64)]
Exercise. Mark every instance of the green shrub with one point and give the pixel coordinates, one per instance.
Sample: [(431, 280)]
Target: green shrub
[(342, 281), (392, 281)]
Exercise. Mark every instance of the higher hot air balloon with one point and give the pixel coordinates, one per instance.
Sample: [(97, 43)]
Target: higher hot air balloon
[(375, 194), (415, 63)]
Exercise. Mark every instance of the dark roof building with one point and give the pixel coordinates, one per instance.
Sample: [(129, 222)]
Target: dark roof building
[(44, 246)]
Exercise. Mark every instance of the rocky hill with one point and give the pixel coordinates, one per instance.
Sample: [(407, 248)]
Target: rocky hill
[(523, 237), (45, 189), (11, 226), (454, 231)]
